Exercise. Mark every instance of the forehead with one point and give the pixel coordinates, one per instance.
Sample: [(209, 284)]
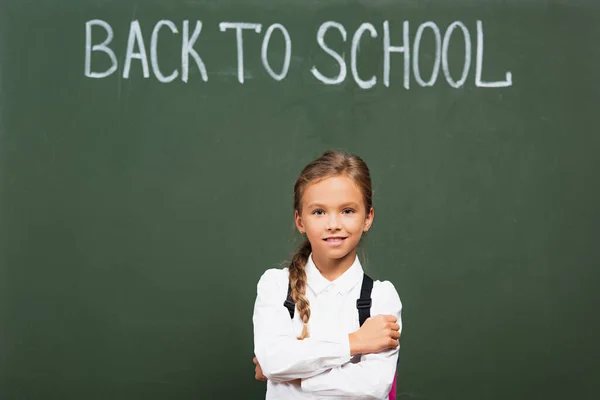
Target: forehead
[(331, 191)]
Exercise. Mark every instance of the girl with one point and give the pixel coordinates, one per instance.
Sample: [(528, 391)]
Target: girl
[(318, 348)]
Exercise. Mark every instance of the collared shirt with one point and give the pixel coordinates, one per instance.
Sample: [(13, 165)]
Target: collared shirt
[(322, 361)]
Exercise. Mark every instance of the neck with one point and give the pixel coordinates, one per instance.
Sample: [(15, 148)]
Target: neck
[(333, 268)]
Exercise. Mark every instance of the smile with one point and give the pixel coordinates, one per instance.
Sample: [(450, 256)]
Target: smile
[(335, 240)]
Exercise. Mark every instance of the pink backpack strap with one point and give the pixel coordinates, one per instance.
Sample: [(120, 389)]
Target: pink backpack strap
[(392, 395)]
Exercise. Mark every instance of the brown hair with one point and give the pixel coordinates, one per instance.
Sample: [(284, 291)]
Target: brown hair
[(331, 163)]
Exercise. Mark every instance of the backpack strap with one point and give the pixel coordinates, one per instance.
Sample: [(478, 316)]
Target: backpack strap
[(364, 302), (289, 302)]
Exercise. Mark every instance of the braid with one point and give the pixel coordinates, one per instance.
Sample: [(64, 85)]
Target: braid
[(298, 284)]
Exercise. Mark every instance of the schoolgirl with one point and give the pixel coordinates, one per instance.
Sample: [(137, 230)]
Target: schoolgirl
[(322, 327)]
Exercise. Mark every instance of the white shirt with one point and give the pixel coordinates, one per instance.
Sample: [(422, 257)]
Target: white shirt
[(323, 360)]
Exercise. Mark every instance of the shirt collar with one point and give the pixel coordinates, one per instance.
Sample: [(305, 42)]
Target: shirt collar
[(342, 284)]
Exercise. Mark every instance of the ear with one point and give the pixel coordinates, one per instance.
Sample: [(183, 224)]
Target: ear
[(369, 220), (299, 224)]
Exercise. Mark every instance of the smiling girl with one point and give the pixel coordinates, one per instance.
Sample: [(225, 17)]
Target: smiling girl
[(322, 327)]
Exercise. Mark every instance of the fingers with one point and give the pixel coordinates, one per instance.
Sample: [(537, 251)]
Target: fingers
[(395, 335), (390, 318), (258, 374), (260, 377), (393, 326)]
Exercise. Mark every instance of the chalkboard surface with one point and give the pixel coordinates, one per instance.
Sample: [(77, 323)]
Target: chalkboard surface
[(148, 151)]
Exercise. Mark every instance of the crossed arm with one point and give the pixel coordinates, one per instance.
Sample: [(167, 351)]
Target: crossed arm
[(321, 365)]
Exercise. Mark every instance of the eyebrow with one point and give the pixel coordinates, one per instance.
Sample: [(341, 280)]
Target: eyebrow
[(344, 205)]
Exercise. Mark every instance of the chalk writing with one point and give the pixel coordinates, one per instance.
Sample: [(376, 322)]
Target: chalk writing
[(393, 41), (288, 52)]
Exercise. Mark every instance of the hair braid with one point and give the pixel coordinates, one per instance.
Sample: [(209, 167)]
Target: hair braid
[(298, 284)]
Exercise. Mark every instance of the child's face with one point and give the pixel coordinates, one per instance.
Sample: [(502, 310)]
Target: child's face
[(333, 217)]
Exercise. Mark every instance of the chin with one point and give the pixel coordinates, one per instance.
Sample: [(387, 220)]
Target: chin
[(338, 253)]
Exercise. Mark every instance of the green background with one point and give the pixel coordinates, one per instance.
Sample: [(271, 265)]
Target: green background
[(136, 217)]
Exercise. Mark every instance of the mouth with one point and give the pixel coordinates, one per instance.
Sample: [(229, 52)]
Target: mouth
[(335, 240)]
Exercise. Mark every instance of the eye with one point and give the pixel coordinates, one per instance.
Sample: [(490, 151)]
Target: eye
[(348, 211), (318, 212)]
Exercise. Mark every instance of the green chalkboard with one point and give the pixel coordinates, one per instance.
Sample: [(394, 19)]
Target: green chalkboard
[(146, 175)]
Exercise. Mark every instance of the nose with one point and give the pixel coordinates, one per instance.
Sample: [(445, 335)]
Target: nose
[(333, 223)]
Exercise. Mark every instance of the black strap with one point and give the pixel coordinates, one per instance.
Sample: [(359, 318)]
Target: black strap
[(363, 304), (289, 303)]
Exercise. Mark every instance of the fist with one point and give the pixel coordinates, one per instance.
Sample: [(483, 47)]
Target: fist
[(377, 334), (258, 374)]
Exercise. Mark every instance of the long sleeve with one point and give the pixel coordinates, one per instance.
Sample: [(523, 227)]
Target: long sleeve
[(373, 375), (281, 355)]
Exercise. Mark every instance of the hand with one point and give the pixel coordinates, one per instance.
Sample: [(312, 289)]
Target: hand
[(377, 334), (258, 374)]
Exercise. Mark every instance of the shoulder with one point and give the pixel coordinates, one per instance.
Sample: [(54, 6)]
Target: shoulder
[(273, 279), (384, 288), (271, 292), (386, 299)]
